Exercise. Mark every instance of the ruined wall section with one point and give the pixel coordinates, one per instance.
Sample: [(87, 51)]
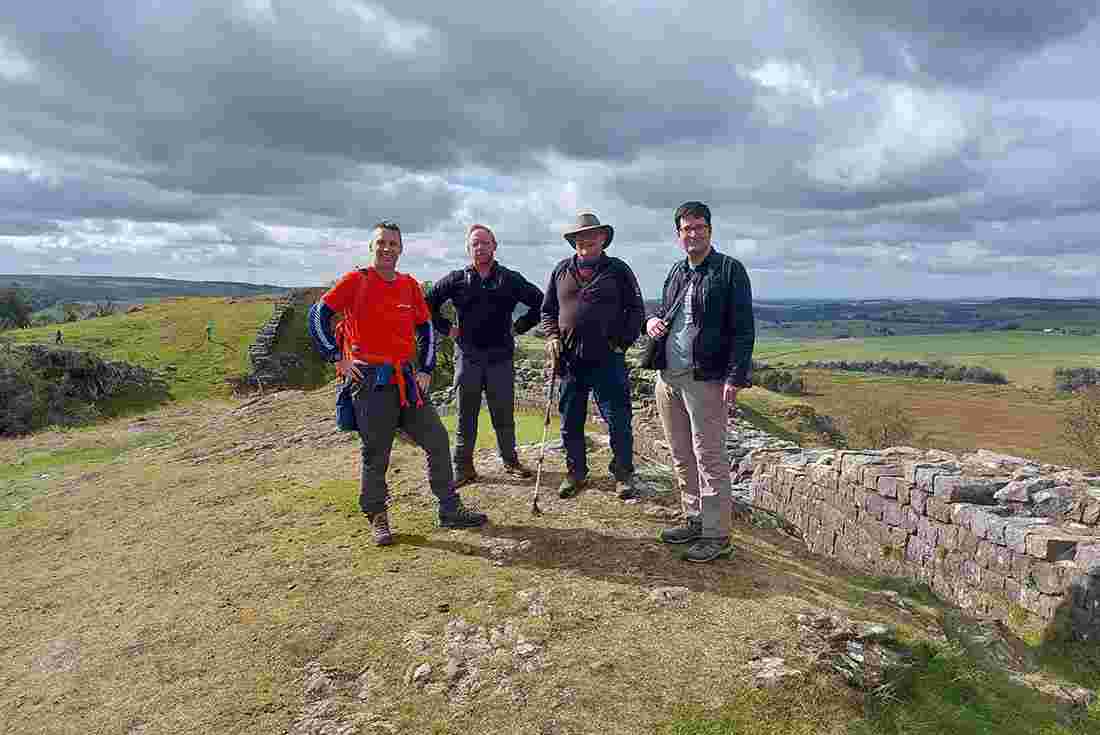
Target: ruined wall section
[(267, 368), (1001, 537)]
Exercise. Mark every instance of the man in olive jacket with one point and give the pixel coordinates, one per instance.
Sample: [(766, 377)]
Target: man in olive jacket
[(705, 334), (593, 311)]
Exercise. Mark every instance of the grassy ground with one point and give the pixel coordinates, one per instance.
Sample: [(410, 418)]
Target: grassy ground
[(529, 428), (1027, 358), (180, 580), (956, 417), (170, 336)]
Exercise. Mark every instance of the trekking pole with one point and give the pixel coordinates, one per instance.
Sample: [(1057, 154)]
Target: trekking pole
[(545, 428)]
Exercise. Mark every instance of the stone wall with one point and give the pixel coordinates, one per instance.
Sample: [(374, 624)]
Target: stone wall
[(267, 368), (1002, 537)]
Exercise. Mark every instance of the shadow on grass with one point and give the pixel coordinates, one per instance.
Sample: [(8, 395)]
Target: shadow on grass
[(754, 571), (766, 423), (133, 402)]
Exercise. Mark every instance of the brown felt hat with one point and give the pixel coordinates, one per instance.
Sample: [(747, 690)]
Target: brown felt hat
[(586, 222)]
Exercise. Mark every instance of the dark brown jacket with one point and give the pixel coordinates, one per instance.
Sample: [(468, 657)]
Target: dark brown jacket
[(593, 318)]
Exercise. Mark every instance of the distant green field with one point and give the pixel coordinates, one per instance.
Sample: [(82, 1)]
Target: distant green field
[(170, 336), (1026, 358)]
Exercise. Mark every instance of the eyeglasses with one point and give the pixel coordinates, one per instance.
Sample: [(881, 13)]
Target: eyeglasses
[(694, 229)]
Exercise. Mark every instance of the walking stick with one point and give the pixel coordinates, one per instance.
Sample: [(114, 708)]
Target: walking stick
[(545, 427)]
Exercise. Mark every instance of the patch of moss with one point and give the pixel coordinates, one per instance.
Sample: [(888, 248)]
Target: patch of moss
[(944, 691)]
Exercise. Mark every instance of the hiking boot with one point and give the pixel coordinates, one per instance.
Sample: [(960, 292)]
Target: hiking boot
[(464, 475), (690, 531), (570, 486), (517, 470), (461, 517), (380, 523), (626, 488), (708, 549)]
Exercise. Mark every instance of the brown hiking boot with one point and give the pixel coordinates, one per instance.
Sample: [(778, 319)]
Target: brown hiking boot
[(464, 475), (517, 470), (380, 522)]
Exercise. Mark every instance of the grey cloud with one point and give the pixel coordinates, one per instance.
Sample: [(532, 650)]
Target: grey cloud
[(899, 130), (46, 198), (958, 41)]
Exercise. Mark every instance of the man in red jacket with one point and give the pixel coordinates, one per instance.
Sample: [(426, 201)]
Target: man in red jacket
[(388, 350)]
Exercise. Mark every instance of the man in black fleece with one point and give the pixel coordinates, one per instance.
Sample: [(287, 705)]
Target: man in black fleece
[(485, 295), (592, 313)]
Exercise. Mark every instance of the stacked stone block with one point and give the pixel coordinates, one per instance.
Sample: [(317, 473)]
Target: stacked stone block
[(266, 370), (982, 535)]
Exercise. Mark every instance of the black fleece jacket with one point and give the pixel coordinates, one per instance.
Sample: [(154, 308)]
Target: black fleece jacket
[(485, 308)]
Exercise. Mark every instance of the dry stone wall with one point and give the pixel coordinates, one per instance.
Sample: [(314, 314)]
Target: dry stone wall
[(267, 368), (1002, 537)]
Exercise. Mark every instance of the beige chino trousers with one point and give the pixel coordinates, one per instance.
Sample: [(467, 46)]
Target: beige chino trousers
[(694, 418)]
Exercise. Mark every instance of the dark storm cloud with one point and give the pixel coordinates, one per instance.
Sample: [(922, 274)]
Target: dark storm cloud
[(24, 194), (959, 41), (841, 133)]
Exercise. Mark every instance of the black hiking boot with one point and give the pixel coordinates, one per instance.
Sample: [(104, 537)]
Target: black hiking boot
[(708, 549), (380, 524), (626, 488), (464, 475), (517, 470), (461, 517), (692, 530), (570, 486)]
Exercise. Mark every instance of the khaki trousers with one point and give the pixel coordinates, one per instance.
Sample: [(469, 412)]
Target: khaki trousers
[(694, 418)]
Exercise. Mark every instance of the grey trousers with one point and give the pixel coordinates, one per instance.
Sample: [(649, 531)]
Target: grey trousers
[(379, 414), (694, 418), (473, 376)]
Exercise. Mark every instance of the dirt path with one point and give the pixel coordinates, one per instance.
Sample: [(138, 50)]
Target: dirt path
[(216, 576)]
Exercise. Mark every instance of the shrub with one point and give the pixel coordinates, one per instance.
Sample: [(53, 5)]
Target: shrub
[(911, 369), (1081, 424), (780, 381), (875, 423), (1071, 379)]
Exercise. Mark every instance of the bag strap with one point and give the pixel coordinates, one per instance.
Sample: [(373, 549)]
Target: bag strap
[(678, 302)]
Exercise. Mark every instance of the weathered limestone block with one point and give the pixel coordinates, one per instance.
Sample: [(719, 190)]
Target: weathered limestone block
[(1020, 491), (1053, 544), (892, 513), (939, 509), (872, 472), (919, 500)]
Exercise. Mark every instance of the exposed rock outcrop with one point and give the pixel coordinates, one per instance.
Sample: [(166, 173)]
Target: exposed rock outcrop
[(41, 385)]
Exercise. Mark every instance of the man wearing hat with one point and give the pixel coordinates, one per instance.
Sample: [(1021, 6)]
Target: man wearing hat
[(593, 311)]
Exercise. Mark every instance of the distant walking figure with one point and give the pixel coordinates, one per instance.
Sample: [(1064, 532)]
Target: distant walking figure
[(705, 334), (57, 339)]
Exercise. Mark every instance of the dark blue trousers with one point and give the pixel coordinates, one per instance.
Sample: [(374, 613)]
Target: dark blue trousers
[(609, 382)]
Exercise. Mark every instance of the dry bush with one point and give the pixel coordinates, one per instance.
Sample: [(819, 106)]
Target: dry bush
[(870, 422), (1081, 424)]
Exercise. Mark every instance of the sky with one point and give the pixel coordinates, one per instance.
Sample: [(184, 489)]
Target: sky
[(847, 148)]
